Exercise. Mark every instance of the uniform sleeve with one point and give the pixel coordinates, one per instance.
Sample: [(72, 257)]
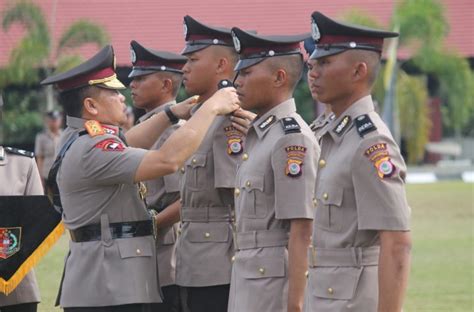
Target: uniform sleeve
[(33, 184), (107, 160), (378, 176), (228, 148), (294, 169), (39, 149), (171, 181)]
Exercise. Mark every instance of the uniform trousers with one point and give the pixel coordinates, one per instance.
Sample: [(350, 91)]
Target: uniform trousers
[(171, 300), (205, 299), (24, 307)]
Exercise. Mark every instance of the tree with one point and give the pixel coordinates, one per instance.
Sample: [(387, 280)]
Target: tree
[(35, 55)]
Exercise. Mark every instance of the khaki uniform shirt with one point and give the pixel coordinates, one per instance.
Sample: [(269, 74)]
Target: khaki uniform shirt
[(318, 125), (96, 184), (360, 190), (46, 144), (204, 248), (19, 176), (162, 192), (275, 184)]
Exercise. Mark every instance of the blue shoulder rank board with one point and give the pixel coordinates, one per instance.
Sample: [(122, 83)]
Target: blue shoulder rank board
[(20, 152), (364, 125), (290, 125)]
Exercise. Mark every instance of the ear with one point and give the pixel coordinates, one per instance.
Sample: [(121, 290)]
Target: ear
[(90, 106), (280, 78), (167, 85), (222, 65), (360, 71)]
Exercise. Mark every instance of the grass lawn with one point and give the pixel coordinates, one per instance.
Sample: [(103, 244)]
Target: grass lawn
[(442, 276)]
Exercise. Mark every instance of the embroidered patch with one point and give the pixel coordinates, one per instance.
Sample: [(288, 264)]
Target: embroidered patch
[(94, 128), (295, 154), (234, 140), (290, 125), (375, 150), (385, 167), (364, 125), (10, 241), (267, 122), (110, 130), (342, 125), (110, 145)]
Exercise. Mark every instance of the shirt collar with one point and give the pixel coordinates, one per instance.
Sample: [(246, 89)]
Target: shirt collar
[(78, 123), (338, 127), (156, 110), (266, 121)]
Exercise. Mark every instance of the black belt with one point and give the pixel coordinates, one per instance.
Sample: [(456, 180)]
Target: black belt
[(118, 230)]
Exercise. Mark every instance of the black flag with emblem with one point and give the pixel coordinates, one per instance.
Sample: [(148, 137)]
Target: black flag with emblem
[(29, 226)]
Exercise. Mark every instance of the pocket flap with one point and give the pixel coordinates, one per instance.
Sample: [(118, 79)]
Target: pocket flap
[(335, 283), (264, 267), (208, 232), (328, 195), (135, 247), (198, 160), (253, 183)]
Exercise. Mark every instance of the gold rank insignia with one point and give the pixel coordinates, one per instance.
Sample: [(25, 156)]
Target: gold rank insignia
[(94, 128), (295, 159), (142, 190)]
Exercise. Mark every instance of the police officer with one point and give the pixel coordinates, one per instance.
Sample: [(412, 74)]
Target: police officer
[(204, 248), (156, 78), (275, 182), (360, 256), (111, 265), (20, 176)]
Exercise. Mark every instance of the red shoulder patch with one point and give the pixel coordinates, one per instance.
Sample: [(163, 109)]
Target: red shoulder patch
[(110, 145)]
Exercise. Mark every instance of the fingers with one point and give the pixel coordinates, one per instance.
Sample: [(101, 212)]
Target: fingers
[(239, 125), (245, 114)]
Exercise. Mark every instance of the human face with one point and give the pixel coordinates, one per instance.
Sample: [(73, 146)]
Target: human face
[(199, 72), (53, 124), (254, 85), (146, 91), (111, 108), (329, 78)]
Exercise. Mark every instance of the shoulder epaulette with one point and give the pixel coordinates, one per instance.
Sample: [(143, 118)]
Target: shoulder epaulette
[(94, 128), (364, 125), (20, 152), (290, 125)]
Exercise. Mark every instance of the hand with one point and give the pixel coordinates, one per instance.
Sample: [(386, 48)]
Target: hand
[(182, 110), (224, 101), (241, 119)]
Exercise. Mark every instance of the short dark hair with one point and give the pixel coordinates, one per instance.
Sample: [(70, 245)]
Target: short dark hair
[(72, 101), (175, 78), (292, 64)]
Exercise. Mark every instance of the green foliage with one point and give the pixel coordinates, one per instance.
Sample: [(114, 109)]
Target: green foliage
[(304, 102), (415, 125), (82, 32)]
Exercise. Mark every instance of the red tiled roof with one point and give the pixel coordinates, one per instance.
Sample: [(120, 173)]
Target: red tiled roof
[(158, 24)]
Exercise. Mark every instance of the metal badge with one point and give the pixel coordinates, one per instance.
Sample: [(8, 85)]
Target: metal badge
[(185, 29), (315, 31), (133, 55), (142, 190), (236, 42)]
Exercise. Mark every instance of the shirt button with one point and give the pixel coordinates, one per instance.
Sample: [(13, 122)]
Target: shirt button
[(245, 156), (182, 169), (194, 160), (233, 258), (207, 235), (326, 196), (237, 192), (261, 271), (248, 184), (139, 251), (330, 291), (322, 163), (306, 274), (315, 202)]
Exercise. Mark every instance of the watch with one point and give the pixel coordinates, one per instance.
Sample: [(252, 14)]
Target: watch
[(172, 117)]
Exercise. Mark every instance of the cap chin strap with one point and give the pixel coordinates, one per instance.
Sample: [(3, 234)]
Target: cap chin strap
[(267, 54), (348, 46)]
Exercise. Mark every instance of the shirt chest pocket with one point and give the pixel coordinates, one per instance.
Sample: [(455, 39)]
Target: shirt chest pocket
[(196, 173), (135, 247), (329, 208), (253, 204)]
